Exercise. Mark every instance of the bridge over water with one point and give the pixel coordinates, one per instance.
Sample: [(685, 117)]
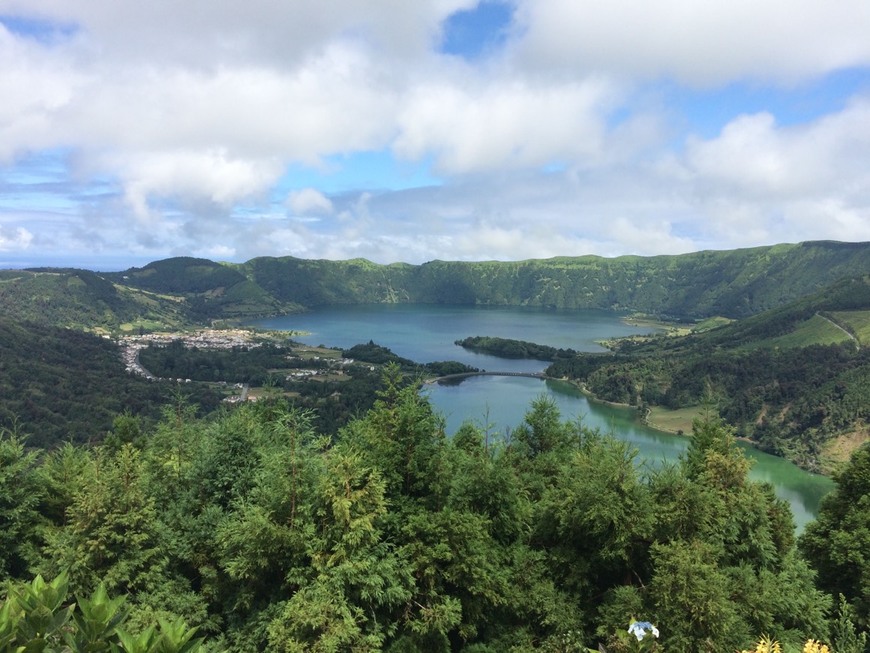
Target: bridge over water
[(465, 375)]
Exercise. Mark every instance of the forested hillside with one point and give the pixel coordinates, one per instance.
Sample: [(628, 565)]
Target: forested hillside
[(82, 299), (735, 283), (790, 378), (209, 289), (268, 536), (60, 385)]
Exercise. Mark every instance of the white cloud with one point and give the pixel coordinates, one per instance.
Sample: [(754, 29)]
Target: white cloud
[(217, 252), (188, 115), (754, 155), (36, 86), (14, 239), (204, 34), (209, 175), (486, 125), (696, 42), (307, 201), (760, 182)]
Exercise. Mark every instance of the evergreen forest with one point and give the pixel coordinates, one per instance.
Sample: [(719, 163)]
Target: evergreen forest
[(249, 530)]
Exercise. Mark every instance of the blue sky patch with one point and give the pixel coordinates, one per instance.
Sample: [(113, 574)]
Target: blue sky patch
[(341, 173), (706, 112), (476, 32), (43, 31)]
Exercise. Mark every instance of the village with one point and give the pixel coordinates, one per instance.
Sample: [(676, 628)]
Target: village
[(202, 339), (227, 339)]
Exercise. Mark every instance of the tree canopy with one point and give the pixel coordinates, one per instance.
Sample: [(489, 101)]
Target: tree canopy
[(268, 535)]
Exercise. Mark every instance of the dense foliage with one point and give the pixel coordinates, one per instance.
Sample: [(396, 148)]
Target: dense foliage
[(510, 348), (269, 536), (837, 543), (64, 385), (40, 616), (237, 365), (774, 377)]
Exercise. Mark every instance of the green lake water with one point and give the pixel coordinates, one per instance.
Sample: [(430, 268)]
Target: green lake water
[(426, 333)]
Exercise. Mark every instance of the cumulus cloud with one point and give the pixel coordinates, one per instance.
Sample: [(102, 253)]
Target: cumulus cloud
[(183, 126), (754, 155), (505, 123), (308, 201), (17, 238), (209, 175), (757, 180), (700, 43)]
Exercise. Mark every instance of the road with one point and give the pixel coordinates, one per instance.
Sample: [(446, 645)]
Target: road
[(854, 339)]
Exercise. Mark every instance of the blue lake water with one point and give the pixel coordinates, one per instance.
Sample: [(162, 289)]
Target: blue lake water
[(426, 333)]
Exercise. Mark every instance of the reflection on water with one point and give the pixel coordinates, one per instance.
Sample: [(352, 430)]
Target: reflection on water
[(426, 333), (500, 404)]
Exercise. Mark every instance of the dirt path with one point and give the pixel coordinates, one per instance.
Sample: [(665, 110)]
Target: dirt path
[(854, 339)]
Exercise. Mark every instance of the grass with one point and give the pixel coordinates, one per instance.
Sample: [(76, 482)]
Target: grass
[(837, 451), (674, 421), (322, 352), (858, 322), (711, 323), (815, 331)]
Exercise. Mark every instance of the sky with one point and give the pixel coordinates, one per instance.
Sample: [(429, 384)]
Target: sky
[(400, 130)]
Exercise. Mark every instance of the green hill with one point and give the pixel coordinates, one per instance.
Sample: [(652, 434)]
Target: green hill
[(84, 300), (735, 283), (209, 290), (65, 385), (791, 378)]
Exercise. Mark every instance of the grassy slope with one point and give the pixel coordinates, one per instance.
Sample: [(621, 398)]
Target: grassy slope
[(799, 323), (856, 322), (817, 330), (83, 300)]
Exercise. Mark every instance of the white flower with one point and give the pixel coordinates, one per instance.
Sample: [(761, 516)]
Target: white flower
[(640, 628)]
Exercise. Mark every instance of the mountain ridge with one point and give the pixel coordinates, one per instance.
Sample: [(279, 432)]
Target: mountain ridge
[(733, 283), (188, 291)]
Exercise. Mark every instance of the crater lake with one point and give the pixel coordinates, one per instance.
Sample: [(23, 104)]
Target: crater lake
[(426, 332)]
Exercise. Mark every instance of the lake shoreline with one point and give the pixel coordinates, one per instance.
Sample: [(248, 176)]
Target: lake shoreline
[(656, 425), (428, 333)]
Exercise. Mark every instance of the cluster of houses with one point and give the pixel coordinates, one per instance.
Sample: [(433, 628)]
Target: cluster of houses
[(204, 339), (131, 345), (334, 366)]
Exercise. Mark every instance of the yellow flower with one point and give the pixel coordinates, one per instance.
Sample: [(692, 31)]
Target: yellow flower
[(765, 645), (812, 646)]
